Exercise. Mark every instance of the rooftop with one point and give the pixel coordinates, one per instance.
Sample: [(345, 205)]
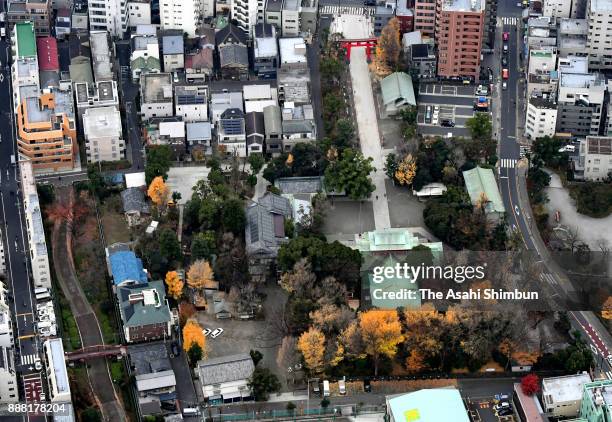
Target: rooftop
[(291, 5), (265, 41), (225, 369), (56, 350), (573, 64), (480, 181), (424, 405), (573, 26), (563, 389), (156, 87), (173, 44), (257, 92), (396, 86), (578, 80), (127, 267), (599, 145), (44, 107), (101, 122), (26, 39), (143, 304), (197, 131), (463, 5), (601, 5), (545, 103), (47, 53), (101, 56), (292, 50), (274, 5), (172, 129), (149, 358)]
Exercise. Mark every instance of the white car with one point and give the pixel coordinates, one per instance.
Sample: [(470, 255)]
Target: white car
[(567, 148), (216, 333), (206, 332)]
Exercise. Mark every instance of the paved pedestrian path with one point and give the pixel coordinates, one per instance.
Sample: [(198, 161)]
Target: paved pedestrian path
[(369, 137)]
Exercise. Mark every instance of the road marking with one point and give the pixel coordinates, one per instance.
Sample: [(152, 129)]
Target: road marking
[(508, 163), (548, 278), (25, 314), (28, 359), (26, 336), (509, 20)]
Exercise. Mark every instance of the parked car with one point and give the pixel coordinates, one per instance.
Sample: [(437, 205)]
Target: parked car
[(326, 388), (505, 74), (447, 123), (501, 398), (428, 114), (367, 386), (504, 61), (504, 85), (505, 48), (216, 333), (506, 36), (482, 90), (501, 405), (341, 387)]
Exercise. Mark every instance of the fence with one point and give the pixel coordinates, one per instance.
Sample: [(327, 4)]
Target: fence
[(313, 413)]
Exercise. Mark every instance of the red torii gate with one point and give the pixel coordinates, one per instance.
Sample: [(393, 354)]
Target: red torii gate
[(368, 43)]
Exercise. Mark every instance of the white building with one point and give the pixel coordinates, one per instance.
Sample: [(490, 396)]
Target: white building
[(108, 15), (8, 376), (173, 51), (145, 55), (292, 52), (258, 97), (57, 375), (101, 56), (139, 13), (208, 8), (542, 60), (156, 95), (24, 68), (290, 18), (580, 103), (246, 13), (180, 14), (557, 8), (39, 257), (103, 134), (231, 132), (599, 17), (562, 396), (595, 158), (541, 118), (226, 377), (191, 102), (6, 325)]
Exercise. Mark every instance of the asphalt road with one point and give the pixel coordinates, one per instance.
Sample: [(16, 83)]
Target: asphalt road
[(13, 227)]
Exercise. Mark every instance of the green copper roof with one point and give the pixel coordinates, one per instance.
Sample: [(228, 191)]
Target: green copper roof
[(26, 40), (479, 181), (397, 86), (392, 239)]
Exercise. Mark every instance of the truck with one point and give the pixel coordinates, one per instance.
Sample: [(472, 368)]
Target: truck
[(325, 388)]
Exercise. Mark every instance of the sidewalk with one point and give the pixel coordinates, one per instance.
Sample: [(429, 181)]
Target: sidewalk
[(369, 137)]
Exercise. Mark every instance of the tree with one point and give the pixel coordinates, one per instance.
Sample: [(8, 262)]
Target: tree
[(480, 126), (91, 414), (343, 133), (256, 356), (192, 334), (606, 309), (262, 383), (391, 166), (195, 353), (530, 384), (351, 175), (233, 217), (158, 162), (406, 170), (312, 346), (200, 275), (415, 362), (381, 332), (287, 355), (169, 246), (203, 245), (388, 48), (158, 192), (257, 162), (186, 311), (175, 285)]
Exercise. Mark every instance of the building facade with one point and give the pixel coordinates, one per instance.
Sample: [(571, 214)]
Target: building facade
[(108, 15), (459, 32), (185, 16), (599, 18), (425, 18), (541, 118), (103, 134)]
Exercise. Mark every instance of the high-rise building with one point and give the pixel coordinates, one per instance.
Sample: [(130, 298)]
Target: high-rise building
[(108, 15), (599, 18), (425, 17), (185, 15), (246, 13), (459, 33), (557, 8)]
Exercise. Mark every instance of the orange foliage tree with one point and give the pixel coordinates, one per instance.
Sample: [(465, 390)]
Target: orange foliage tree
[(192, 334), (381, 332), (174, 285), (158, 192), (200, 275), (312, 345)]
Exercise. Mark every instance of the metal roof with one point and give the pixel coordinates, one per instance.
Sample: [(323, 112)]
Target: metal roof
[(396, 86), (225, 369), (172, 44), (480, 181)]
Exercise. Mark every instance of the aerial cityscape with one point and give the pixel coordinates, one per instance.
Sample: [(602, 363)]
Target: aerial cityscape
[(317, 210)]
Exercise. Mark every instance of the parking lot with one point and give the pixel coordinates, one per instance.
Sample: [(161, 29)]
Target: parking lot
[(481, 410), (454, 102)]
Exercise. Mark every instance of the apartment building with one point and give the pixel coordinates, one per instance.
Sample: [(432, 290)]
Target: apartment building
[(562, 396), (139, 13), (101, 56), (490, 24), (290, 24), (173, 50), (596, 401), (594, 159), (46, 129), (265, 50), (108, 15), (39, 258), (425, 18), (542, 60), (37, 12), (541, 117), (231, 132), (191, 102), (599, 45), (309, 16), (246, 14), (6, 320), (273, 13), (459, 31), (572, 37), (103, 134), (156, 95), (24, 69), (184, 15), (145, 55), (557, 8), (8, 376), (580, 103), (91, 95)]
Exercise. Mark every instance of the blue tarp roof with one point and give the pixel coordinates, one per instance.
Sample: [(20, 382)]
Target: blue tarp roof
[(126, 266)]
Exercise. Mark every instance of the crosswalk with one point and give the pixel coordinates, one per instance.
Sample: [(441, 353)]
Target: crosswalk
[(547, 277), (509, 20), (347, 10), (28, 359), (508, 162)]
